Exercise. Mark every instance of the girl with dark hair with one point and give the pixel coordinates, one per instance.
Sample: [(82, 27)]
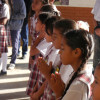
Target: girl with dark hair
[(76, 48), (4, 40)]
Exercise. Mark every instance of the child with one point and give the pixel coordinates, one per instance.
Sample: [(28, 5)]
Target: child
[(76, 48), (4, 16), (36, 6), (96, 84), (59, 26), (50, 55), (36, 53), (3, 50)]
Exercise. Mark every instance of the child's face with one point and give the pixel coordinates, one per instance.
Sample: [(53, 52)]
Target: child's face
[(96, 85), (39, 26), (36, 5), (48, 37), (56, 38), (66, 53)]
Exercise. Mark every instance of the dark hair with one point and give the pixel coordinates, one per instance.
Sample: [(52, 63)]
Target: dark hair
[(65, 25), (32, 12), (83, 40), (49, 24), (49, 8), (4, 1), (44, 16), (45, 2)]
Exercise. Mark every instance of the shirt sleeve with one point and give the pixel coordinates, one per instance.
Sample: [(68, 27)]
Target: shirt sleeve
[(77, 91), (21, 13), (5, 11)]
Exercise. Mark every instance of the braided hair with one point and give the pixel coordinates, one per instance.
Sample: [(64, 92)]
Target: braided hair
[(83, 40)]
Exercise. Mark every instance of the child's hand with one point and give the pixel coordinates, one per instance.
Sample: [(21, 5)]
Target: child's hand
[(44, 68), (34, 96), (57, 84)]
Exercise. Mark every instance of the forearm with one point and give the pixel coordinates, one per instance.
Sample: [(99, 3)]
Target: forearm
[(34, 52)]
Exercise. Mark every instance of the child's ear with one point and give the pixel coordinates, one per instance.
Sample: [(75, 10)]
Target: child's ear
[(77, 52)]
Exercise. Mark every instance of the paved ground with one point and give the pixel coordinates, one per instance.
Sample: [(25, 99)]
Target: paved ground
[(13, 86)]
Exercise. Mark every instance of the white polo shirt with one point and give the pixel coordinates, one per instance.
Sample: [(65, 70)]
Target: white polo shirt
[(96, 10), (5, 12)]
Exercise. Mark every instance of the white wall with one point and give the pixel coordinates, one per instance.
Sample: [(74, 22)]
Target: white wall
[(82, 3)]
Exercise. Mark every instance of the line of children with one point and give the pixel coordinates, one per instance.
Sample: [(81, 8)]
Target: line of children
[(60, 26), (77, 56)]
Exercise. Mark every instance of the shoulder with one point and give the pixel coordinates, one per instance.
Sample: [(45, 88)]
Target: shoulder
[(78, 85), (78, 90)]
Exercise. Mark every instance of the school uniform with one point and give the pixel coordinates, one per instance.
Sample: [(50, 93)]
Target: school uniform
[(4, 38), (34, 69), (3, 48), (53, 56), (80, 88)]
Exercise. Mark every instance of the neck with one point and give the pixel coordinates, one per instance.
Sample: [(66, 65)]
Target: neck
[(76, 65), (36, 14)]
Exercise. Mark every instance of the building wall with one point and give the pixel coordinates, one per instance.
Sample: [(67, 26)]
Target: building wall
[(77, 13), (81, 3)]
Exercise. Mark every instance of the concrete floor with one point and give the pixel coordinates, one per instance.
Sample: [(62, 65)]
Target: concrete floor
[(13, 86)]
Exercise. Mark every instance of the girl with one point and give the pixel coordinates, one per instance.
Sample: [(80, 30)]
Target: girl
[(4, 16), (36, 6), (76, 48), (96, 84)]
